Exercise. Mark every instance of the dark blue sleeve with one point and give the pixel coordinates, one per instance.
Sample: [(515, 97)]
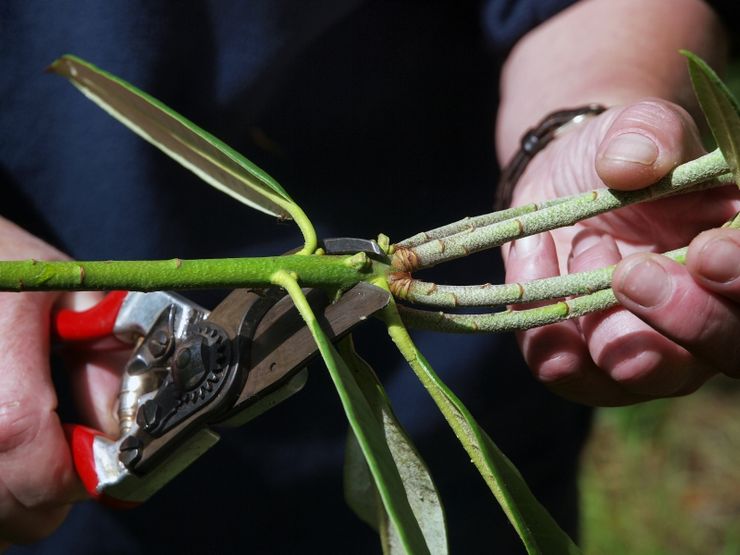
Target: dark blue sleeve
[(724, 8), (506, 21)]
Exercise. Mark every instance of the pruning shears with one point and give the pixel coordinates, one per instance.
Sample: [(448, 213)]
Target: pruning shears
[(192, 369)]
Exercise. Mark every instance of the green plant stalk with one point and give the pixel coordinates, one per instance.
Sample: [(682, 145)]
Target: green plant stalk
[(539, 533), (508, 320), (360, 416), (708, 167), (513, 320), (335, 271), (421, 491), (472, 222), (310, 240), (451, 296)]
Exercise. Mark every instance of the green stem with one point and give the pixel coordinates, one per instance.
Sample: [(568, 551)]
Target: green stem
[(536, 528), (363, 421), (508, 320), (471, 223), (33, 275), (514, 320), (450, 296), (708, 167), (310, 240)]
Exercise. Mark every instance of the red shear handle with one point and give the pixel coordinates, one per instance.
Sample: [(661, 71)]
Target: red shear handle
[(81, 441), (94, 323)]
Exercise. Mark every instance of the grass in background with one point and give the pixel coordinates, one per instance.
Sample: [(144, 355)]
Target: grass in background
[(664, 477)]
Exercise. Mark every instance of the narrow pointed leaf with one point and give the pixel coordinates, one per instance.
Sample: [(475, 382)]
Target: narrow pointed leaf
[(199, 151), (538, 530), (365, 425), (417, 480), (720, 108), (360, 492)]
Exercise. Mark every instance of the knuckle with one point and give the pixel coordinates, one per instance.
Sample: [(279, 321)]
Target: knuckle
[(652, 113), (669, 122), (38, 477), (20, 422)]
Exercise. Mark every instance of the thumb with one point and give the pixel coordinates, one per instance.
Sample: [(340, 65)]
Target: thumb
[(646, 140)]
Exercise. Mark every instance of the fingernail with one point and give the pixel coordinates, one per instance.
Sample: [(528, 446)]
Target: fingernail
[(632, 147), (527, 246), (585, 243), (646, 282), (720, 260)]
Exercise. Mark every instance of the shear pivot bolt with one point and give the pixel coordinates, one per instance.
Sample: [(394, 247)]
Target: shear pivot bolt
[(192, 363)]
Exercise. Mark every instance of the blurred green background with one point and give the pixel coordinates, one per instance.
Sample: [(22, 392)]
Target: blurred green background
[(664, 477)]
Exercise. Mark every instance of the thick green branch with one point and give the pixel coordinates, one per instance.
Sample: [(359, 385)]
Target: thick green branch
[(34, 275)]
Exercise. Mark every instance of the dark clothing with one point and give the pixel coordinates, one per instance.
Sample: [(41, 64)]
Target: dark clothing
[(375, 116)]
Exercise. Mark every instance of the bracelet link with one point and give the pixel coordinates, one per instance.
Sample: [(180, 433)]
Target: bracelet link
[(536, 139)]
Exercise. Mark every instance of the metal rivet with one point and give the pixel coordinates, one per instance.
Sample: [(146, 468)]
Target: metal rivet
[(148, 415), (158, 343), (130, 451)]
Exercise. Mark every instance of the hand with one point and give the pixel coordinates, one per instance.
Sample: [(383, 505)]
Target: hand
[(680, 324), (37, 478)]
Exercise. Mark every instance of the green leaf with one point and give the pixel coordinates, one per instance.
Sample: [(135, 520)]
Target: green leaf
[(365, 425), (360, 491), (537, 529), (199, 151), (720, 108)]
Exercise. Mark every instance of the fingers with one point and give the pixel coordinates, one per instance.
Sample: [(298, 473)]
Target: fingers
[(557, 354), (645, 351), (36, 470), (613, 357), (664, 294), (714, 261), (37, 478), (633, 354), (645, 141)]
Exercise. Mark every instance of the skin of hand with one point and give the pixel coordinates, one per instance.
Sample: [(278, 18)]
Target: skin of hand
[(678, 325), (38, 482)]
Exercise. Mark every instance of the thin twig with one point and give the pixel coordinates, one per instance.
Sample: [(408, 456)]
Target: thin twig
[(508, 320), (450, 296), (472, 222)]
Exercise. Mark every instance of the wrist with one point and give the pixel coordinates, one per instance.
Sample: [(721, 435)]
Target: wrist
[(612, 53)]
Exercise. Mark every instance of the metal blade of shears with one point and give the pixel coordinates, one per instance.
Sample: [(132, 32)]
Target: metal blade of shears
[(281, 343)]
